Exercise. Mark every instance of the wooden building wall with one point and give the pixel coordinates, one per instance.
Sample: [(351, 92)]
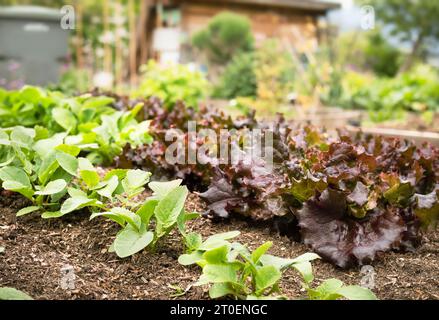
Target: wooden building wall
[(301, 26)]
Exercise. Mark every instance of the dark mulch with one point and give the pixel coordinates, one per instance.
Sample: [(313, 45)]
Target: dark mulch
[(36, 250)]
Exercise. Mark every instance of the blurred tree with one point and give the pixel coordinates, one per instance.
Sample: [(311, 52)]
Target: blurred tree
[(368, 51), (225, 35), (414, 21), (380, 56)]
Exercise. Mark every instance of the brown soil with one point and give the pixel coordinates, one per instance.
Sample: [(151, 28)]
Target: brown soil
[(36, 249)]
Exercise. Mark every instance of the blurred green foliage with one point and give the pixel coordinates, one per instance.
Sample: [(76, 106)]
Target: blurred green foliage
[(380, 56), (274, 72), (239, 78), (172, 83), (266, 73), (388, 98), (226, 35), (73, 81)]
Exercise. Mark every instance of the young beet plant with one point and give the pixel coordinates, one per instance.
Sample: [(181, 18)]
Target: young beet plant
[(232, 270), (152, 220)]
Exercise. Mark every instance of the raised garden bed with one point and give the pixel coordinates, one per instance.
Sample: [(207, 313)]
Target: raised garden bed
[(36, 250), (352, 199)]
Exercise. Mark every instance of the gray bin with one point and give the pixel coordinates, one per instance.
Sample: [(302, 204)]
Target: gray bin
[(33, 46)]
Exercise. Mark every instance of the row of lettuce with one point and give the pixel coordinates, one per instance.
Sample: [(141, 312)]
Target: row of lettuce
[(50, 145), (350, 198)]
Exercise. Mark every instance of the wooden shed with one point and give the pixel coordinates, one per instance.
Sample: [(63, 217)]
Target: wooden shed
[(164, 21)]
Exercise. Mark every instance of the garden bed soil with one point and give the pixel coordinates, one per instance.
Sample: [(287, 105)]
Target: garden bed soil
[(35, 250)]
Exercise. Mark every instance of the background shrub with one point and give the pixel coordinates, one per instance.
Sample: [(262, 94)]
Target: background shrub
[(226, 35), (239, 78), (172, 83)]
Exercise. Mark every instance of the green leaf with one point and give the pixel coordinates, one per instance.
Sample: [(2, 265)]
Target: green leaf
[(356, 293), (53, 187), (305, 270), (162, 188), (191, 258), (193, 241), (31, 94), (110, 187), (129, 242), (218, 290), (76, 203), (328, 290), (218, 273), (27, 210), (42, 147), (217, 240), (282, 263), (399, 193), (67, 162), (52, 214), (15, 174), (238, 249), (135, 180), (85, 164), (260, 251), (17, 187), (15, 179), (130, 217), (109, 215), (183, 218), (120, 173), (23, 137), (97, 102), (7, 293), (90, 177), (146, 211), (7, 155), (47, 167), (217, 255), (266, 277), (76, 192), (309, 256), (69, 149), (169, 208), (64, 118)]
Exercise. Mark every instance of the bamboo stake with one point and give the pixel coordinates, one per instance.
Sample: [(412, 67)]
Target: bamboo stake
[(133, 42), (143, 24), (118, 51), (107, 49)]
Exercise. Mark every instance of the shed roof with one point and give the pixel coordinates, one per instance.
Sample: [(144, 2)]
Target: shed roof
[(30, 12), (312, 5)]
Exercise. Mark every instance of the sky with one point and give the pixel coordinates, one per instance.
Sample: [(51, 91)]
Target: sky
[(348, 17)]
